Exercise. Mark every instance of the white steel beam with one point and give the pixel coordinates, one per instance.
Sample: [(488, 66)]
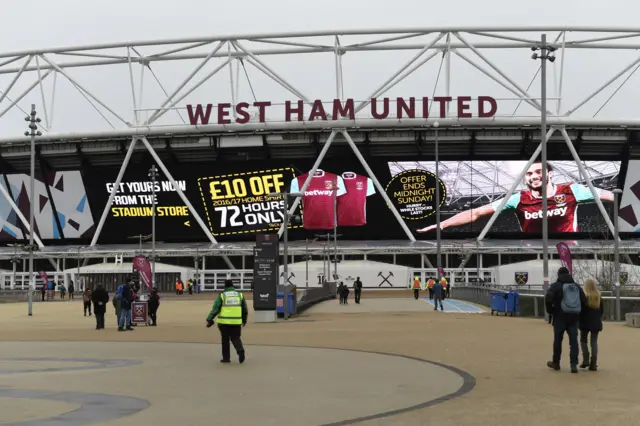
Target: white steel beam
[(112, 195), (182, 195), (343, 32), (133, 89), (498, 70), (271, 73), (187, 93), (44, 102), (387, 40), (25, 93), (186, 81), (563, 52), (84, 90), (604, 86), (307, 50), (53, 95), (383, 87), (15, 79)]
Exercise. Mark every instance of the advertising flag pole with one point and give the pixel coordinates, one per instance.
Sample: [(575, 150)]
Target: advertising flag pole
[(153, 173)]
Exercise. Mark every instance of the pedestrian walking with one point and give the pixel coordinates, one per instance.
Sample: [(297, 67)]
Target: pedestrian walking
[(591, 325), (86, 301), (438, 295), (357, 290), (416, 287), (230, 309), (564, 300)]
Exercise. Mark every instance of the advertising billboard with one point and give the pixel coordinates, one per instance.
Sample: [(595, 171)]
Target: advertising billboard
[(629, 212), (476, 189), (237, 200), (61, 209)]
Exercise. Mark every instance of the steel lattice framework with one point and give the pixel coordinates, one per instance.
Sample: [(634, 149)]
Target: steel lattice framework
[(139, 90)]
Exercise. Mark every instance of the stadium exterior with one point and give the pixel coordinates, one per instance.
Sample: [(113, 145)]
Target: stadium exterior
[(128, 125)]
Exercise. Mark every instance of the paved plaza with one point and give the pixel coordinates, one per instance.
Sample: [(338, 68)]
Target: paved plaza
[(386, 361)]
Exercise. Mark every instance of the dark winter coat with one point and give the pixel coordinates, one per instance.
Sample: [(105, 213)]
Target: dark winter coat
[(100, 298), (591, 319), (154, 303)]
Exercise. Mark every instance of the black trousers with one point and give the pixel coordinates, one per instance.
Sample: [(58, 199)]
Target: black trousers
[(559, 328), (357, 294), (153, 317), (416, 293), (430, 294), (230, 333), (99, 320), (87, 306)]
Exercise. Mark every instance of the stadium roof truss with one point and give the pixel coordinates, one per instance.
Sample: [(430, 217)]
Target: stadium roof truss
[(217, 68)]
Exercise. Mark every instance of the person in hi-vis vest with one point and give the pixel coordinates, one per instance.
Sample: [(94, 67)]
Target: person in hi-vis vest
[(445, 287), (430, 284), (416, 287), (230, 308)]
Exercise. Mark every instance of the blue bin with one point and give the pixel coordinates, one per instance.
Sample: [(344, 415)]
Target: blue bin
[(505, 302), (291, 307)]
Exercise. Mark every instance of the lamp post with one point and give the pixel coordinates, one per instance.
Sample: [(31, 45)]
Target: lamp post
[(33, 132), (438, 231), (616, 195), (546, 54), (153, 174), (285, 251)]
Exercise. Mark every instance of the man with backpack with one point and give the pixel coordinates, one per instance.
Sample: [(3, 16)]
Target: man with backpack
[(564, 301)]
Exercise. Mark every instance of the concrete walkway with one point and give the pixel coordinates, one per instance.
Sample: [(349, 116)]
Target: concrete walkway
[(393, 363)]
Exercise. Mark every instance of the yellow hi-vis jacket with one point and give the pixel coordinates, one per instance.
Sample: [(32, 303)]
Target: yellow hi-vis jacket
[(416, 283), (231, 311), (444, 282), (430, 283)]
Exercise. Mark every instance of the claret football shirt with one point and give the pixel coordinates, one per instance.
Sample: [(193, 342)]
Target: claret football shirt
[(352, 206), (317, 200), (562, 208)]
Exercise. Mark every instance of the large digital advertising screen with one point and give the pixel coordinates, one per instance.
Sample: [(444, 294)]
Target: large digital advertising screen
[(475, 190), (236, 200)]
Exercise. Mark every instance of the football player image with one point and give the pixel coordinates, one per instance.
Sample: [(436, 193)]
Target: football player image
[(562, 204)]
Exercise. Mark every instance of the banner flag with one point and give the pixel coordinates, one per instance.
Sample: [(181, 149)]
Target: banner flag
[(44, 276), (142, 265), (565, 256), (441, 271)]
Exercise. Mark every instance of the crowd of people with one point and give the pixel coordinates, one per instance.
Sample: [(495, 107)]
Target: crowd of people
[(573, 310)]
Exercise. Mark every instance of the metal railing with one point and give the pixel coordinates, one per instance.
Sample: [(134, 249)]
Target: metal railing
[(532, 304)]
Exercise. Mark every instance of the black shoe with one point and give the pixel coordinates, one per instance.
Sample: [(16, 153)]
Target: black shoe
[(593, 367), (120, 329), (553, 365), (584, 365), (129, 329), (241, 357), (574, 369), (225, 361)]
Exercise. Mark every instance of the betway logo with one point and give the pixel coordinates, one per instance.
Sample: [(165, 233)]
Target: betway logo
[(550, 213), (318, 192)]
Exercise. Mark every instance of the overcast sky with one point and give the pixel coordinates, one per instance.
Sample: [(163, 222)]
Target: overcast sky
[(73, 22)]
